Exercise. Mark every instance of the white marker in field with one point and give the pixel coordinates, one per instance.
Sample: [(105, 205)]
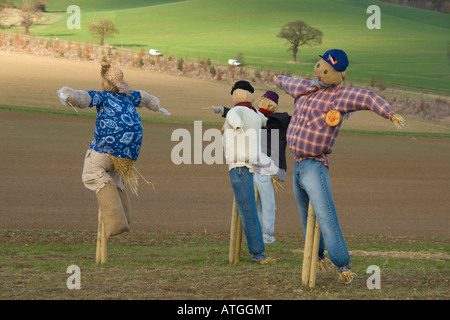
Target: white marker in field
[(74, 21), (374, 21)]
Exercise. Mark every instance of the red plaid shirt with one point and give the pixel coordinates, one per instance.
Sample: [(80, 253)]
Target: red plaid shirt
[(308, 136)]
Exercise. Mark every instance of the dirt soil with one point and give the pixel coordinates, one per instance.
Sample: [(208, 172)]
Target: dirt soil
[(384, 185), (381, 185)]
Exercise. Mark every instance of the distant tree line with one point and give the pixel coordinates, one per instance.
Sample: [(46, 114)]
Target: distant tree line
[(435, 5), (38, 5)]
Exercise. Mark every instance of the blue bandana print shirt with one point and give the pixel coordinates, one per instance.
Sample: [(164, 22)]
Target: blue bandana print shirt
[(118, 128)]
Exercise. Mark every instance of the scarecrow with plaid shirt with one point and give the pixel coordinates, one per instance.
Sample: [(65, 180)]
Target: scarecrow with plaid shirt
[(319, 107)]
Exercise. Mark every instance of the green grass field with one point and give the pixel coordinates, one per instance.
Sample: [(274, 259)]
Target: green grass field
[(410, 49), (194, 266)]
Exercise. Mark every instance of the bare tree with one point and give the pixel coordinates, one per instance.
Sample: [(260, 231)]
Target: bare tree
[(29, 14), (102, 29), (298, 33)]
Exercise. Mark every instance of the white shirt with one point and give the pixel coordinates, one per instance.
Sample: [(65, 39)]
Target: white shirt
[(241, 138)]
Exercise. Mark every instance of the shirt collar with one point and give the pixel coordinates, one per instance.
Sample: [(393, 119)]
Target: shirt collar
[(246, 104), (265, 111)]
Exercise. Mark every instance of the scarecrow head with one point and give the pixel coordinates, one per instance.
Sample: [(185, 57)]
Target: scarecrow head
[(331, 68), (268, 101), (242, 91), (112, 79)]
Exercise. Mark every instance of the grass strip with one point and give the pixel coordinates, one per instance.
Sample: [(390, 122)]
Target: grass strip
[(194, 265), (182, 122)]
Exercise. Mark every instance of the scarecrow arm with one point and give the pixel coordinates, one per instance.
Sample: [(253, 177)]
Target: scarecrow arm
[(266, 164), (74, 98), (151, 103), (234, 119), (292, 86), (353, 99), (222, 110)]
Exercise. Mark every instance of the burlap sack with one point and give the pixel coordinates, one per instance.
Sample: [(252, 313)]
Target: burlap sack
[(111, 209), (125, 203)]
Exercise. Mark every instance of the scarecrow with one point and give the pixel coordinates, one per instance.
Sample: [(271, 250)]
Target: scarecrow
[(241, 146), (109, 164), (319, 107), (270, 171)]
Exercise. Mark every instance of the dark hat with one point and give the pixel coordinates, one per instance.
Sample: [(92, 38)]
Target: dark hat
[(337, 59), (244, 85), (271, 96)]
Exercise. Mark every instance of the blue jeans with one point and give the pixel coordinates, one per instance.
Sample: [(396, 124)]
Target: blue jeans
[(312, 183), (244, 192), (266, 202)]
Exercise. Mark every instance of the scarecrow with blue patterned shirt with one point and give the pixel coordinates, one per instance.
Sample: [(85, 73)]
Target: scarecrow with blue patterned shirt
[(109, 164), (319, 107)]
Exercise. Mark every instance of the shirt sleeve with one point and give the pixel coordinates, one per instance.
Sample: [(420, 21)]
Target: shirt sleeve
[(96, 98), (135, 97), (292, 86), (353, 99), (225, 111), (234, 119)]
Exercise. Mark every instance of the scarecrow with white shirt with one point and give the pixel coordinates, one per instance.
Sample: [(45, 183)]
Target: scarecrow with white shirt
[(319, 107), (241, 142), (270, 171), (109, 164)]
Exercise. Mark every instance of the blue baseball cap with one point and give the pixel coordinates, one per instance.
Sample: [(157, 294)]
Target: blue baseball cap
[(336, 58)]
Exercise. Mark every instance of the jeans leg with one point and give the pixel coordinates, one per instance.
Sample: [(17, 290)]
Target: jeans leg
[(244, 193), (266, 202), (315, 180), (302, 198)]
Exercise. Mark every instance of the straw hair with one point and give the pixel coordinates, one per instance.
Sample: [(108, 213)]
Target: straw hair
[(267, 104), (114, 76), (108, 86), (240, 95)]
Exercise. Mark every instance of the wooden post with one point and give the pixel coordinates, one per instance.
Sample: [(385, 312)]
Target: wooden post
[(100, 256), (310, 254), (315, 254), (237, 251), (235, 234)]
